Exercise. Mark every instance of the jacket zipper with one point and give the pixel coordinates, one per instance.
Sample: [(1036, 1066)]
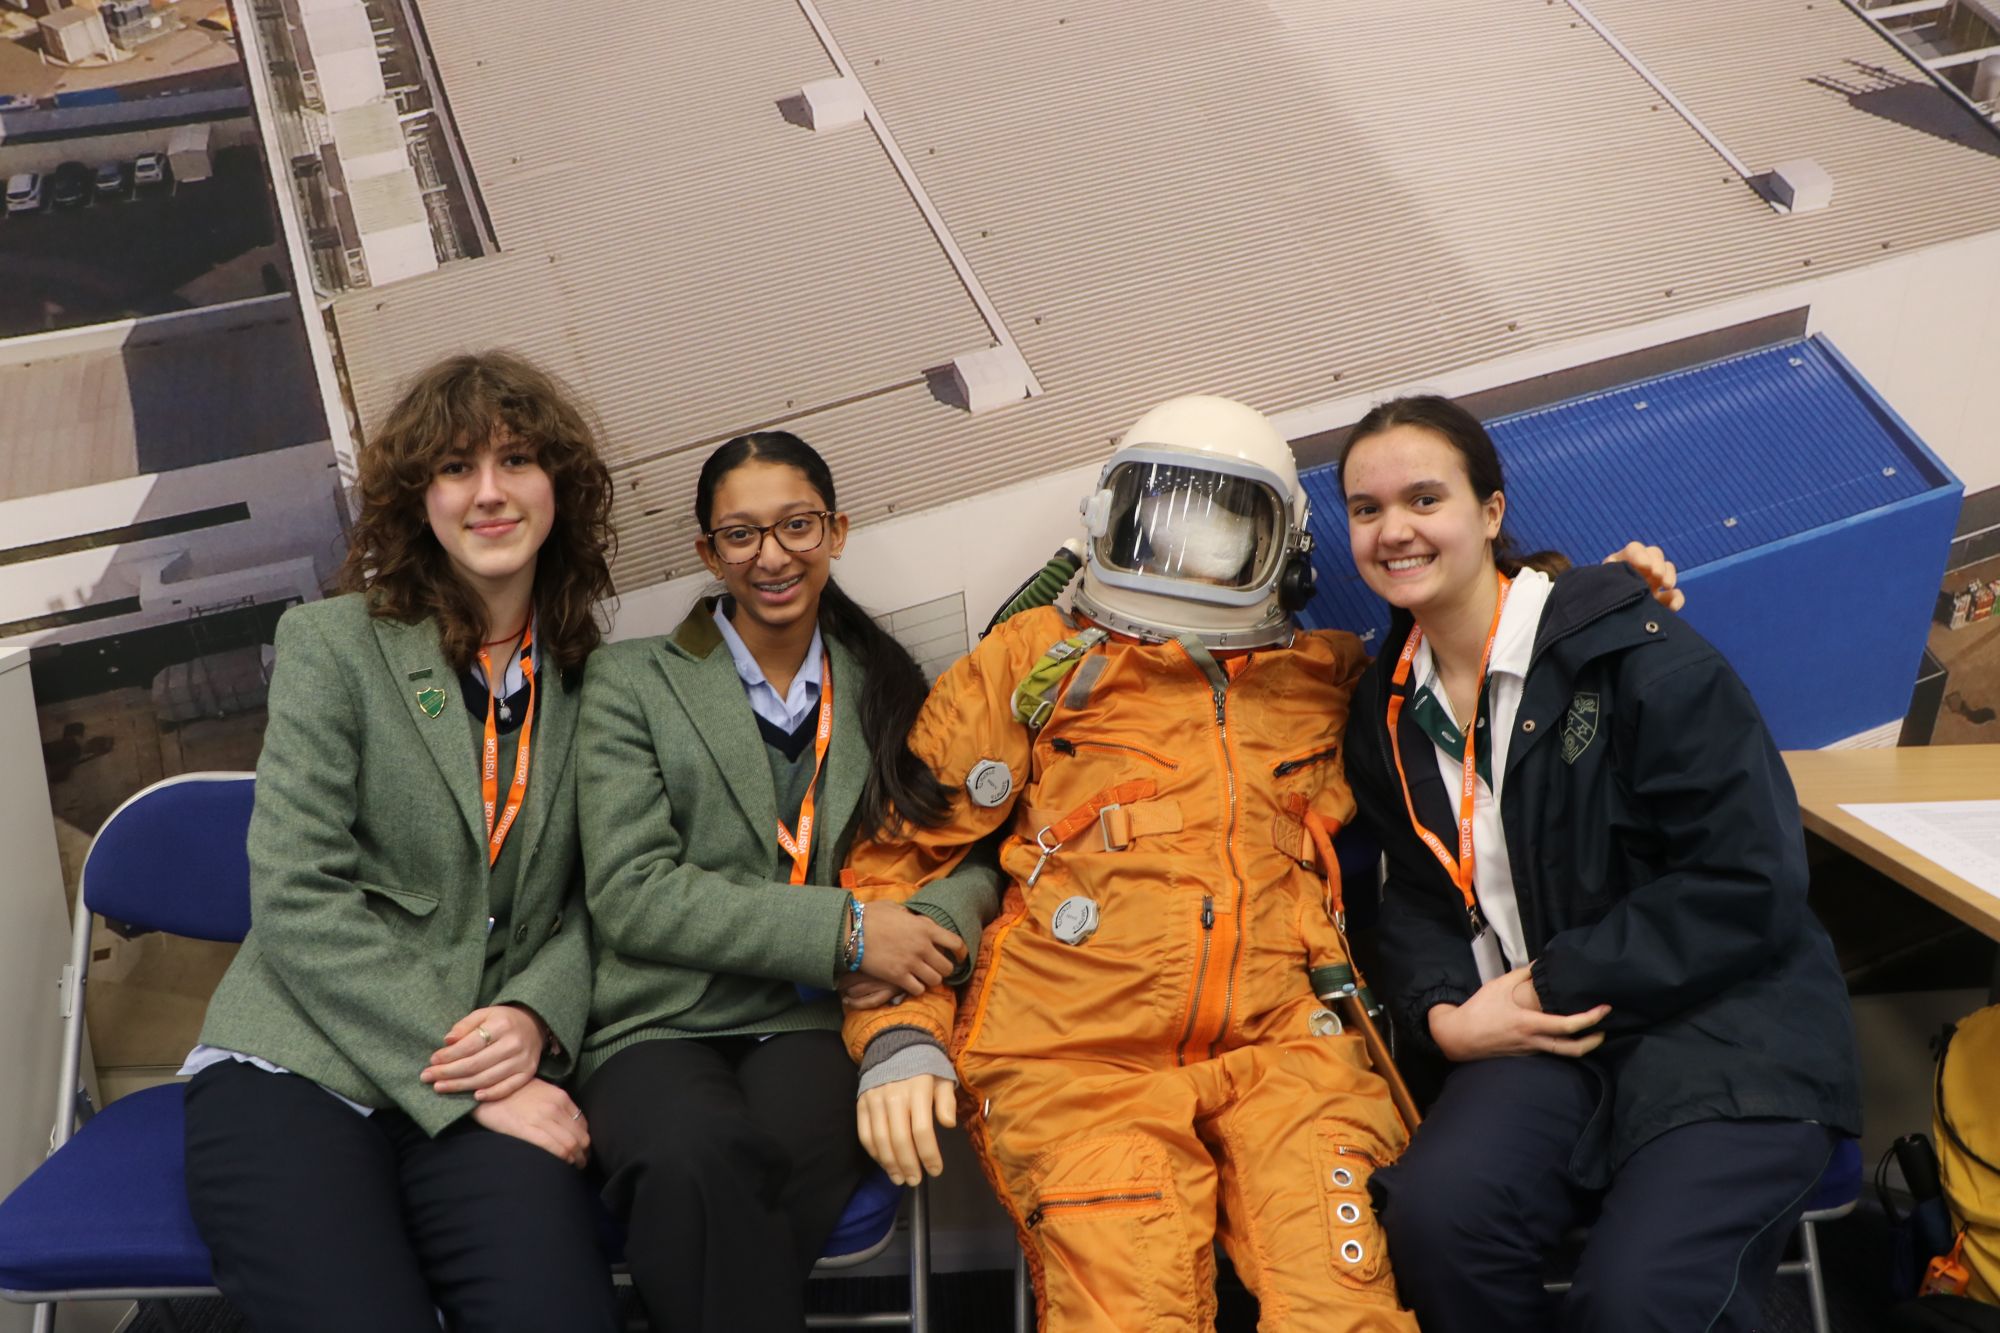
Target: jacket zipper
[(1040, 1212), (1063, 745), (1229, 846), (1200, 975), (1291, 766)]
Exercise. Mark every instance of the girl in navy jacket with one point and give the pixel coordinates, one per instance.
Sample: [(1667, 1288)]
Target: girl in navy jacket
[(1598, 916)]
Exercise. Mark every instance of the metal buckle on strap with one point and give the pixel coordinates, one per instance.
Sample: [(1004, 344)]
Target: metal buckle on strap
[(1043, 707), (1119, 840)]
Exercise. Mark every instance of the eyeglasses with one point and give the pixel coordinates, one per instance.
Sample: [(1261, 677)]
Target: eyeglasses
[(740, 543)]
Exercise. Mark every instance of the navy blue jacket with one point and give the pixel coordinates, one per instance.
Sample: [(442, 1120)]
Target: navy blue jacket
[(1659, 865)]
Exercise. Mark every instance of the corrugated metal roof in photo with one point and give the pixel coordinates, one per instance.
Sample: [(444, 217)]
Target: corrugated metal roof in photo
[(689, 260), (1285, 201), (1706, 463)]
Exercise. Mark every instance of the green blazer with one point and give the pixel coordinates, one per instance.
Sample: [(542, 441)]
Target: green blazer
[(696, 930), (368, 869)]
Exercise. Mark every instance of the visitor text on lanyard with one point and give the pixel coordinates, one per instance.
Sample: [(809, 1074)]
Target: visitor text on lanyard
[(1460, 866), (799, 847)]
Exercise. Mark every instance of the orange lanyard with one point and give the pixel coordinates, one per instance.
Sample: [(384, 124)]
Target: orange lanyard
[(1459, 867), (800, 847), (489, 764)]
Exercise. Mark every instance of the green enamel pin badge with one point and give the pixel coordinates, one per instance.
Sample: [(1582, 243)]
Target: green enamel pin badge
[(431, 701)]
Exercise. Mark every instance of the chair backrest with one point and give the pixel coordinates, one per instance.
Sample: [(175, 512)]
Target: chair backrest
[(173, 858)]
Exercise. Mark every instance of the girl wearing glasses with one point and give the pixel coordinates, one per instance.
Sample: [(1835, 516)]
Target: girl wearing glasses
[(724, 769), (1596, 912), (375, 1131)]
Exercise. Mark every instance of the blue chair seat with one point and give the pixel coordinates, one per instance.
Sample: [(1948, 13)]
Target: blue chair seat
[(867, 1220), (1840, 1184), (110, 1210)]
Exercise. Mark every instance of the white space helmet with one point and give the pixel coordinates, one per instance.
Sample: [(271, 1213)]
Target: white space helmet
[(1198, 526)]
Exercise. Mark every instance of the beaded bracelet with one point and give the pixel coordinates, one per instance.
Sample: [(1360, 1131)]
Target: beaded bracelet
[(857, 941)]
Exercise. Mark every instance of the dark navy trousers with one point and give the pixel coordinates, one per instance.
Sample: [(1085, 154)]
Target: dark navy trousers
[(1685, 1240)]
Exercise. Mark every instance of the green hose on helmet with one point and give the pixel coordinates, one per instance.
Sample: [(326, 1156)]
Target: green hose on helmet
[(1044, 586)]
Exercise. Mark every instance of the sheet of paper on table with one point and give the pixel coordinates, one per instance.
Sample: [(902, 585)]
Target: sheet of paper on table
[(1961, 836)]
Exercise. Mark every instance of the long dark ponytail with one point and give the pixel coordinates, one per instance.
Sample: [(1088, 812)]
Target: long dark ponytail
[(900, 786), (1464, 433)]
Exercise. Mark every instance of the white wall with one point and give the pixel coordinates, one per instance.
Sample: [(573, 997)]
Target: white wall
[(34, 941)]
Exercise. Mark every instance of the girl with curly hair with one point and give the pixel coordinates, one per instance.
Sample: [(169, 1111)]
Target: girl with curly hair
[(375, 1129)]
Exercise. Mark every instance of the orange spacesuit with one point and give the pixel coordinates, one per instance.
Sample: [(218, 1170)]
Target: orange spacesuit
[(1144, 1060)]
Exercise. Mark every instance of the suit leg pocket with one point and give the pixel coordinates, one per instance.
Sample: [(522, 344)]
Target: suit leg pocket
[(1356, 1249), (1105, 1220)]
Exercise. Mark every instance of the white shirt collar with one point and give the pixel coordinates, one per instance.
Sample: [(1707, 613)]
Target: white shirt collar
[(1513, 646), (785, 712)]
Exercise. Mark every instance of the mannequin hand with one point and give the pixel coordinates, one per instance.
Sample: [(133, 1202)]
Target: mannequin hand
[(906, 948), (489, 1070), (897, 1122), (858, 990), (1500, 1020), (1651, 564), (541, 1114)]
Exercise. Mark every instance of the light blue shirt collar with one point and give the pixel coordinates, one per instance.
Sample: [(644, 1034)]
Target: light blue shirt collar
[(784, 712)]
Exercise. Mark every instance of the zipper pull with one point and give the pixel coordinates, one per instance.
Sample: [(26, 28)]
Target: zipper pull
[(1218, 709), (1061, 746), (1035, 1218), (1208, 914)]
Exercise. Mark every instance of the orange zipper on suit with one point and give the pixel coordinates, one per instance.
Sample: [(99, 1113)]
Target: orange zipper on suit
[(1219, 939)]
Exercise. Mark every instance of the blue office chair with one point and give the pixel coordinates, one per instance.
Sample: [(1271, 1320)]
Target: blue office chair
[(105, 1216)]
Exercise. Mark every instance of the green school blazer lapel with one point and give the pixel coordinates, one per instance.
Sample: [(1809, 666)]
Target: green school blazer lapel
[(555, 729), (846, 761), (703, 677), (416, 659)]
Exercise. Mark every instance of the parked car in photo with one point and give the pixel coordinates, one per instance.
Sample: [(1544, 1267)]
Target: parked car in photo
[(24, 192), (111, 179), (70, 185), (150, 171)]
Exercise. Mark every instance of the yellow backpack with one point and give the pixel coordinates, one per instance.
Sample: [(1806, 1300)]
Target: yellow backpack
[(1967, 1117)]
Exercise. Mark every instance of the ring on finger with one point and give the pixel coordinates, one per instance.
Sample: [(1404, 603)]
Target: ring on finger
[(485, 1037)]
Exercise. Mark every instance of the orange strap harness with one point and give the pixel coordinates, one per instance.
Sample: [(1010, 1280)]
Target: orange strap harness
[(489, 763), (1459, 867), (799, 846)]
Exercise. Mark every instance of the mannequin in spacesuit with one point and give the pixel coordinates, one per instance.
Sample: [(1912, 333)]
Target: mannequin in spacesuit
[(1143, 1051)]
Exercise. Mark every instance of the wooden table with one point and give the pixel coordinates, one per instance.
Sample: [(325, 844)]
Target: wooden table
[(1828, 779)]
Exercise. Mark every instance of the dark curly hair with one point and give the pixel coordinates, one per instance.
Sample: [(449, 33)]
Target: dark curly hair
[(462, 403)]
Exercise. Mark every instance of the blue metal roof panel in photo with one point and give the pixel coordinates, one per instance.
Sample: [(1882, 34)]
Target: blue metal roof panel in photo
[(1708, 463)]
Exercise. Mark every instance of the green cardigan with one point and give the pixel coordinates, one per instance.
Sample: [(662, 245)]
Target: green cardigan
[(693, 935), (368, 870)]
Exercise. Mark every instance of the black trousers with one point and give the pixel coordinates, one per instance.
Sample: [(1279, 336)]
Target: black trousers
[(1686, 1237), (730, 1160), (321, 1218)]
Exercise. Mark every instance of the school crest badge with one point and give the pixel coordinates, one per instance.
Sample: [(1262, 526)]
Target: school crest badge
[(1579, 726), (431, 701)]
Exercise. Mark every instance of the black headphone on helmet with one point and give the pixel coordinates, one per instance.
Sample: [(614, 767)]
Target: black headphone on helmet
[(1295, 584)]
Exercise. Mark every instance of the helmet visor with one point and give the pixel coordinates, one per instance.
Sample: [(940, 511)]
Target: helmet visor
[(1192, 524)]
